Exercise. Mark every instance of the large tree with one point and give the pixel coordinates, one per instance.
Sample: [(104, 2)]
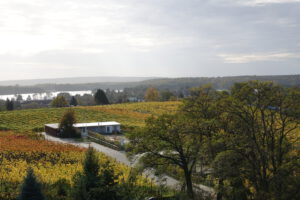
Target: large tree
[(180, 139), (169, 140), (261, 121), (100, 97), (66, 128)]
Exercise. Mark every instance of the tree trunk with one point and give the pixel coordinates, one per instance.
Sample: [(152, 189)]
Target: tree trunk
[(189, 184), (221, 185)]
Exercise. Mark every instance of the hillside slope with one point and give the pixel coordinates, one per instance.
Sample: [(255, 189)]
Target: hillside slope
[(129, 115)]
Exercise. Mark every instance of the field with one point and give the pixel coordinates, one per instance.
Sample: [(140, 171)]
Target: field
[(129, 115)]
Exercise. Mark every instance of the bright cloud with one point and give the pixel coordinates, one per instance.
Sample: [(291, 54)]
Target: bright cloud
[(264, 2), (248, 58)]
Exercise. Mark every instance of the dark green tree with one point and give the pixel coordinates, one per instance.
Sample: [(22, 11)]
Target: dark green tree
[(59, 102), (91, 168), (19, 97), (66, 128), (62, 187), (89, 178), (100, 97), (9, 104), (106, 188), (227, 167), (91, 184), (31, 189), (73, 101), (79, 190)]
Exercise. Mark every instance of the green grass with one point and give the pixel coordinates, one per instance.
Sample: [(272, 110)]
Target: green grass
[(129, 115)]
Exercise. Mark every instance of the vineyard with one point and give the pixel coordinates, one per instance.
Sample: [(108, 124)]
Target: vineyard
[(55, 163), (129, 115), (51, 162)]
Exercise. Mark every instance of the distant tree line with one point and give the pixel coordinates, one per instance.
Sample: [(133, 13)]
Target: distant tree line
[(172, 84), (65, 99)]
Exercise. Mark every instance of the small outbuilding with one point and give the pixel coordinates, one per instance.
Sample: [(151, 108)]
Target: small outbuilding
[(99, 127)]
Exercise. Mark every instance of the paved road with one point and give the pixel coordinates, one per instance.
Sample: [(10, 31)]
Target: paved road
[(122, 158)]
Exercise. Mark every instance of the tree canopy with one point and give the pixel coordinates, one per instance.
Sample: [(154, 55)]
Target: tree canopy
[(176, 139), (152, 94), (93, 185), (66, 128), (59, 102), (73, 101), (248, 137), (9, 104), (100, 97), (261, 121)]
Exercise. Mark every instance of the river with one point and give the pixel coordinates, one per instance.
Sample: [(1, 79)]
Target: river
[(45, 95)]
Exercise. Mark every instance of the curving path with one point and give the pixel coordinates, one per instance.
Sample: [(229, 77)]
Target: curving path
[(122, 158)]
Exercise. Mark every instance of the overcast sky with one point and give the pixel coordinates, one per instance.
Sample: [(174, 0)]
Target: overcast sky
[(173, 38)]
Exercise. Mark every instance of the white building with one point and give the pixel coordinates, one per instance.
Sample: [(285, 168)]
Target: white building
[(99, 127)]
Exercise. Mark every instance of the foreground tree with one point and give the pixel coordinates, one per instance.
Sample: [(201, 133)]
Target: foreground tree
[(66, 128), (180, 139), (31, 189), (59, 102), (169, 140), (91, 184), (100, 97), (261, 122)]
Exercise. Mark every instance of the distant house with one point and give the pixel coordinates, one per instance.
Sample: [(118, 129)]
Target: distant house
[(99, 127)]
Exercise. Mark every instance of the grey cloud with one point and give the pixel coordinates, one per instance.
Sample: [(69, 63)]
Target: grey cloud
[(133, 37)]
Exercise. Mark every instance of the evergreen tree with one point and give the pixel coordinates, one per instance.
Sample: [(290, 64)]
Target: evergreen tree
[(91, 168), (90, 184), (106, 185), (31, 189), (100, 97), (79, 189), (28, 98), (89, 178), (73, 101), (19, 97), (9, 104)]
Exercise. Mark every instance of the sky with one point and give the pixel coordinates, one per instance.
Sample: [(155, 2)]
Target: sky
[(161, 38)]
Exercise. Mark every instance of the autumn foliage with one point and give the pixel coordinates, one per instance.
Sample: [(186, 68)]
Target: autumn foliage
[(51, 162)]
